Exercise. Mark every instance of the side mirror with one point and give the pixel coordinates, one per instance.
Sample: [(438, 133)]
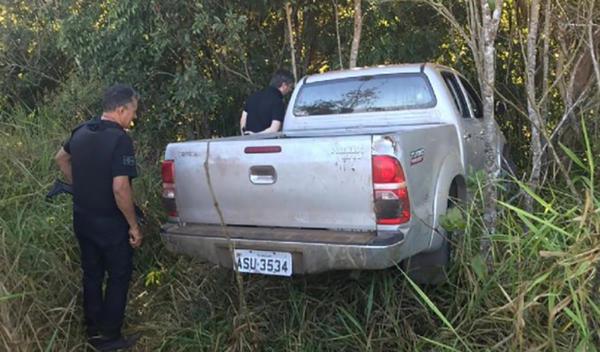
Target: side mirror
[(500, 108)]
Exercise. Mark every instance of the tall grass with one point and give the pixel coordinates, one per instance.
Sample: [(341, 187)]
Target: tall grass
[(542, 294)]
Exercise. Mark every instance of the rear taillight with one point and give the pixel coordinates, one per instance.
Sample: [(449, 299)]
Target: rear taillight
[(392, 206), (168, 192)]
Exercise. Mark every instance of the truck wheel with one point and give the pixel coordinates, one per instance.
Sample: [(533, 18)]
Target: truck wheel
[(431, 268)]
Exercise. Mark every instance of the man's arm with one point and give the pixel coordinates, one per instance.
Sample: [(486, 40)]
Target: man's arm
[(275, 127), (63, 160), (124, 197), (243, 122)]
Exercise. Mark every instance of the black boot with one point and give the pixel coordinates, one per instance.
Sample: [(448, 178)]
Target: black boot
[(105, 344)]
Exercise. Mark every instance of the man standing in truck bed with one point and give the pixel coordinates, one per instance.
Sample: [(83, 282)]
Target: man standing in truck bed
[(264, 110)]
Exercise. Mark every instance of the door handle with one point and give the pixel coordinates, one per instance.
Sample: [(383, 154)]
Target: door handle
[(263, 175), (467, 136)]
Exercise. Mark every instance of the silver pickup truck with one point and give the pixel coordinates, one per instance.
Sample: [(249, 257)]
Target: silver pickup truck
[(367, 162)]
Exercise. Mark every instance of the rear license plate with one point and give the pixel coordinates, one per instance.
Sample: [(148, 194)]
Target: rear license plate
[(263, 262)]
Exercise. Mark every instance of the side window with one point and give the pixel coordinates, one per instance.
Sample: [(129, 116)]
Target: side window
[(457, 95), (474, 100)]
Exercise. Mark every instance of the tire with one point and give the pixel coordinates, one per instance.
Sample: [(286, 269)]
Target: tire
[(431, 268)]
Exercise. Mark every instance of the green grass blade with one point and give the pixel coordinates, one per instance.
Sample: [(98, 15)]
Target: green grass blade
[(435, 309), (51, 342), (589, 154), (370, 299), (576, 319), (572, 156), (352, 319), (536, 218), (439, 344), (11, 296), (547, 206)]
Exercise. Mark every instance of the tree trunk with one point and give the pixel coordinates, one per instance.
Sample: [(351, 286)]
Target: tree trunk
[(593, 46), (337, 32), (487, 35), (357, 33), (307, 34), (535, 119), (546, 58), (483, 23), (288, 15)]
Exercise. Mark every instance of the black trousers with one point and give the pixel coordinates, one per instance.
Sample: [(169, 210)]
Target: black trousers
[(105, 253)]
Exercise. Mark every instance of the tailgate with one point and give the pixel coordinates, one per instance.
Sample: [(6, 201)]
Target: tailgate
[(319, 182)]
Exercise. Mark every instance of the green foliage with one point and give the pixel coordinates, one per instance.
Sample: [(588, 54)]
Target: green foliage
[(399, 33), (31, 62), (479, 267), (195, 63), (453, 220)]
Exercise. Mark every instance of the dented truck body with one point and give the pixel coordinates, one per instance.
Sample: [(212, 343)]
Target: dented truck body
[(357, 179)]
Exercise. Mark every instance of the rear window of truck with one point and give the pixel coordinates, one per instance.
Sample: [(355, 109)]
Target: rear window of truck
[(389, 92)]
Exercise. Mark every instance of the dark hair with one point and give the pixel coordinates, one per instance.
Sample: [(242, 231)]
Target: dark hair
[(280, 77), (118, 95)]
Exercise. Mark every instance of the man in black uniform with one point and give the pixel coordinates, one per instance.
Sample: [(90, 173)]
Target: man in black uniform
[(98, 159), (264, 110)]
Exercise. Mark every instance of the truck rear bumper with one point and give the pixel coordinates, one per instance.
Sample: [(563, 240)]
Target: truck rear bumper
[(312, 251)]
